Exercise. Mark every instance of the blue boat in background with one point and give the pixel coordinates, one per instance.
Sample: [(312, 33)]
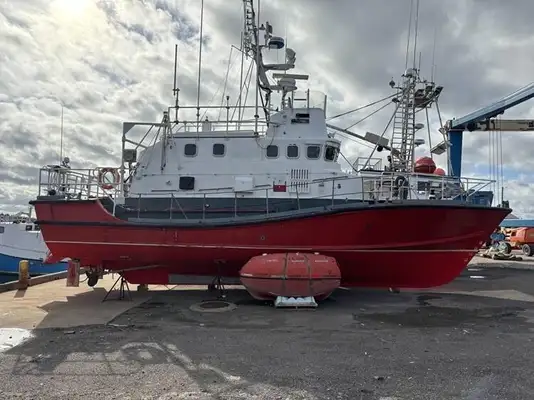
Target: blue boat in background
[(514, 222), (24, 241)]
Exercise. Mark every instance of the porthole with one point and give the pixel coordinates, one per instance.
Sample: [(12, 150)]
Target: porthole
[(271, 151), (190, 150), (292, 151), (219, 149)]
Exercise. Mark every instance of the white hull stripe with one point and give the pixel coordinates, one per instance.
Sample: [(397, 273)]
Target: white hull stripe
[(265, 248)]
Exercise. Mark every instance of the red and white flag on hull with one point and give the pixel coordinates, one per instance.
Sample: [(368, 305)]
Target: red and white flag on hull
[(280, 187)]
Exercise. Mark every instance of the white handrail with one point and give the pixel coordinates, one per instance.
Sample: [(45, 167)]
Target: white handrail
[(77, 184)]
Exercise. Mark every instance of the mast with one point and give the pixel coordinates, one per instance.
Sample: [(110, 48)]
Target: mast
[(403, 137), (253, 48), (258, 55), (175, 89), (241, 79), (61, 139), (413, 94)]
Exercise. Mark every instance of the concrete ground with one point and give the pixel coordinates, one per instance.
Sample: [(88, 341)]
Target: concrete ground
[(53, 305), (471, 339)]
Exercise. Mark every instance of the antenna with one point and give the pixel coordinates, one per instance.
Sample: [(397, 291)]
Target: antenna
[(409, 35), (433, 68), (416, 31), (200, 62), (175, 90), (61, 138), (226, 81), (241, 73)]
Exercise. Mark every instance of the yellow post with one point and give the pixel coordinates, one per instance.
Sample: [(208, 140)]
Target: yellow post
[(24, 274)]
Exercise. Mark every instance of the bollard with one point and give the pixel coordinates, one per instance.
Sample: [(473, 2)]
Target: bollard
[(73, 274), (24, 274)]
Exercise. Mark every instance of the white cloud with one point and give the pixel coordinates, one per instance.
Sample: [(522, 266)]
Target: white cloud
[(111, 61)]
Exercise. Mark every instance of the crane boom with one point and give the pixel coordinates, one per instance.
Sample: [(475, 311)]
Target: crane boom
[(483, 119), (505, 125)]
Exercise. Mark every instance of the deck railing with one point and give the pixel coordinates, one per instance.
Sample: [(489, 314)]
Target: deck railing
[(225, 124), (58, 180), (77, 184)]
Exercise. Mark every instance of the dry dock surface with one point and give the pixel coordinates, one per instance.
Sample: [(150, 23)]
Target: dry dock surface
[(471, 339)]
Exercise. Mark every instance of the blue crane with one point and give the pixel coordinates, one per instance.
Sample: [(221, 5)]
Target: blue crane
[(483, 119)]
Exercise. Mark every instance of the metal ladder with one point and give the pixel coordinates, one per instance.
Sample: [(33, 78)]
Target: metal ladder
[(403, 137), (250, 31)]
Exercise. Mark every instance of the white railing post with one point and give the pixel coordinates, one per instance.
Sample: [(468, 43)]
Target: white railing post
[(39, 183), (333, 189), (235, 204), (267, 201)]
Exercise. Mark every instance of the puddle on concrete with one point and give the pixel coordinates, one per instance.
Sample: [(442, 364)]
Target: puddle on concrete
[(12, 337)]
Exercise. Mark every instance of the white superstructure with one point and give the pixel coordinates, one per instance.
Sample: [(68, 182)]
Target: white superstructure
[(284, 150)]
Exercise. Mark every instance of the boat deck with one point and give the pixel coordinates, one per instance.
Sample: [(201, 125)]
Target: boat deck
[(470, 339)]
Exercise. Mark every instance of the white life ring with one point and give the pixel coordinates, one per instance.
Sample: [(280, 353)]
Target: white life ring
[(103, 172)]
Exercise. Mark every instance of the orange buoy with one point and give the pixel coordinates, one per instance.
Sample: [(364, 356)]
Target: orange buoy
[(290, 275), (424, 165), (439, 171)]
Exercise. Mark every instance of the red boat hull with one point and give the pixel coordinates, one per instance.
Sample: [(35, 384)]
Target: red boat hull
[(414, 245)]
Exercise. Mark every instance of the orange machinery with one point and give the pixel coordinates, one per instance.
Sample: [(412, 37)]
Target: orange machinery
[(518, 238)]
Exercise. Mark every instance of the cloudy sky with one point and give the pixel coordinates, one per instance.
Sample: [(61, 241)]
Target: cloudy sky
[(108, 61)]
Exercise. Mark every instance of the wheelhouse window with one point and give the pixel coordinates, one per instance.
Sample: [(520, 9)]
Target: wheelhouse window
[(271, 151), (292, 151), (1, 229), (331, 153), (190, 150), (218, 149), (313, 152)]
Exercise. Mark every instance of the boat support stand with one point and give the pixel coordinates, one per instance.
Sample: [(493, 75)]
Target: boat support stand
[(124, 289), (217, 283)]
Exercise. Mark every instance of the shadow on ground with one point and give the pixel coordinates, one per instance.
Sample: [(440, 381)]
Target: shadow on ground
[(359, 344)]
